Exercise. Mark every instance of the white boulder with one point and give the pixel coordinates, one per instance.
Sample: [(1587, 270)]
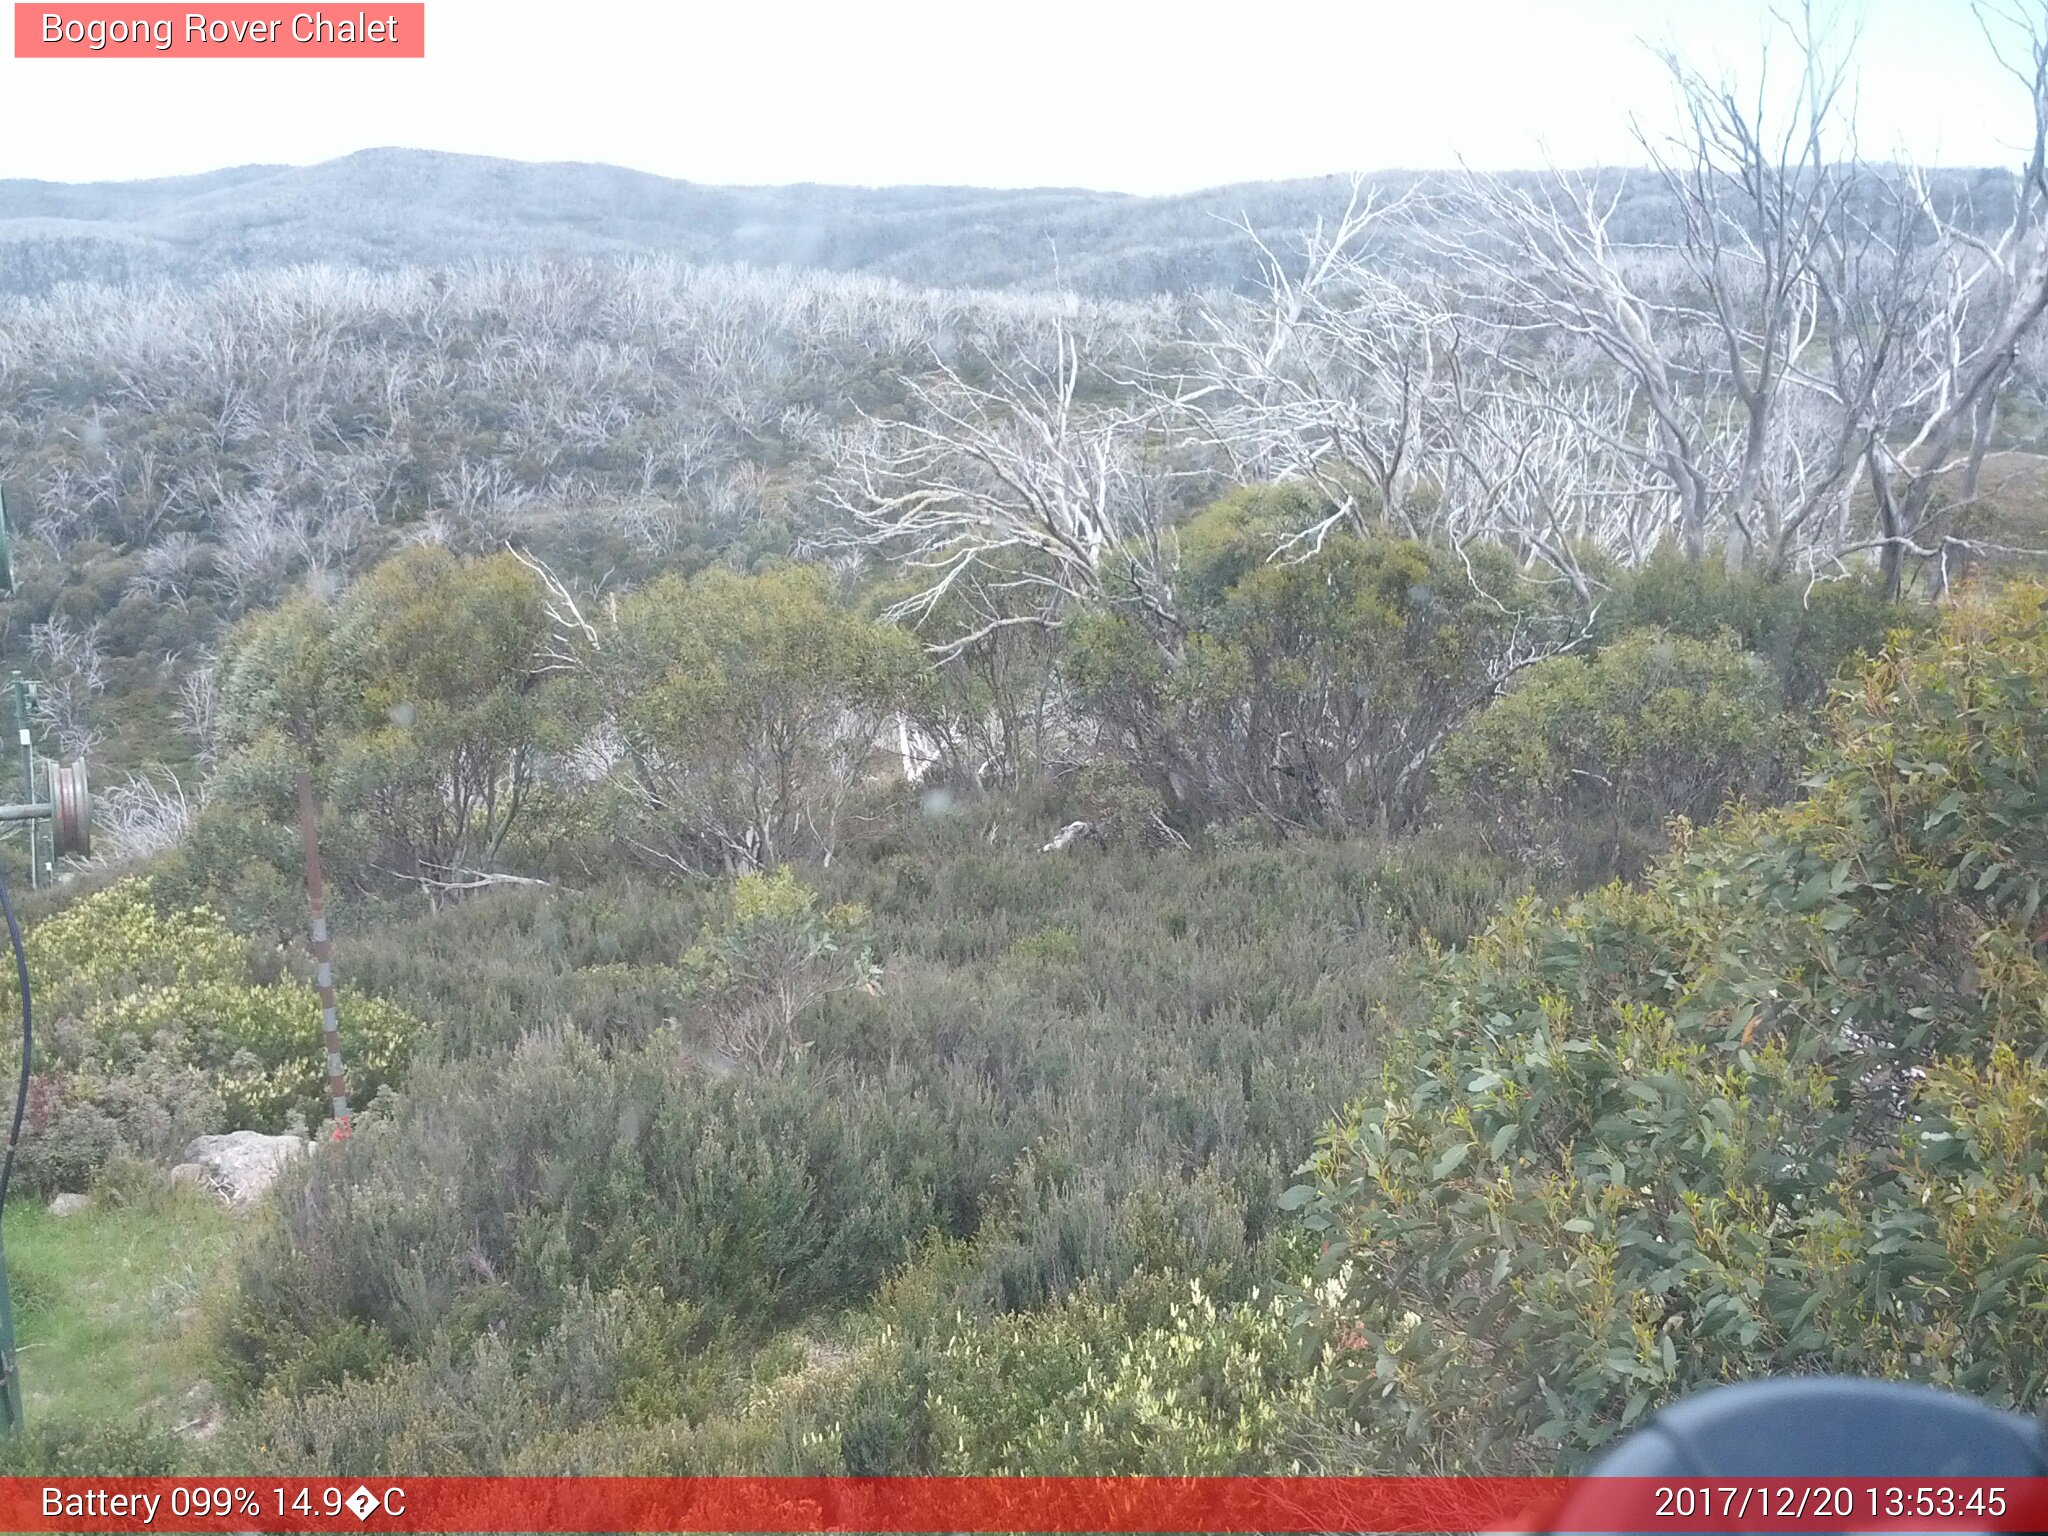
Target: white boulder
[(242, 1165), (1068, 835)]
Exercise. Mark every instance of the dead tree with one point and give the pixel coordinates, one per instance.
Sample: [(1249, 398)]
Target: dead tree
[(1011, 499), (1328, 376)]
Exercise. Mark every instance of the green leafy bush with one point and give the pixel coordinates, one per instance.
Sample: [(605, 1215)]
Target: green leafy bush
[(1163, 1380), (261, 1046), (1777, 1112), (117, 942), (413, 699), (750, 708), (775, 956), (1586, 757), (153, 1031), (1313, 687), (1806, 632)]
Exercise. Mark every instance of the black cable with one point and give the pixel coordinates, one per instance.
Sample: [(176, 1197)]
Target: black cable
[(27, 1042)]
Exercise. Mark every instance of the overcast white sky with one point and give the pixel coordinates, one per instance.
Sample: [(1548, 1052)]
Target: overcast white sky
[(1129, 95)]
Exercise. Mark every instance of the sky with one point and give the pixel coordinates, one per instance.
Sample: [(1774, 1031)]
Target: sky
[(1121, 95)]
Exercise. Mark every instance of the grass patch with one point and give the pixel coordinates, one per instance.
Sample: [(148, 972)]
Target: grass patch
[(107, 1305)]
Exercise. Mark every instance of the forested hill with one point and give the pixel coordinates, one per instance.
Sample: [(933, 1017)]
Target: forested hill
[(399, 207), (389, 208)]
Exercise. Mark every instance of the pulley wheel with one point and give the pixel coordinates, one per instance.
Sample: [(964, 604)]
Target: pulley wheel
[(70, 811)]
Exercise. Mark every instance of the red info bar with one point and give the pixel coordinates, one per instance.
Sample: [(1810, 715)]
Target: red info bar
[(1023, 1504), (224, 31)]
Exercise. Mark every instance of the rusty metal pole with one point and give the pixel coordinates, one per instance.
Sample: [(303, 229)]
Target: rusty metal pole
[(323, 954)]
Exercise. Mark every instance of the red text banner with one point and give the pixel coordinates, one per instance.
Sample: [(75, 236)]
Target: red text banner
[(222, 31), (1023, 1504)]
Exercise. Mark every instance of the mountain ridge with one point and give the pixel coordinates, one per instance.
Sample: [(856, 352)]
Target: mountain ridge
[(393, 206)]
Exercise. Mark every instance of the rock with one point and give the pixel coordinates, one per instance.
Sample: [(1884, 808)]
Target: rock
[(199, 1411), (1068, 835), (192, 1176), (69, 1205), (242, 1165)]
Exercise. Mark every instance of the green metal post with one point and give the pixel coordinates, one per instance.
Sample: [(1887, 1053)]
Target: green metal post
[(28, 776), (10, 1378)]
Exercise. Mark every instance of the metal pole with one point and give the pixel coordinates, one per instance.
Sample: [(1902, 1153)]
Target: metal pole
[(323, 955), (10, 1378), (28, 775), (10, 1360)]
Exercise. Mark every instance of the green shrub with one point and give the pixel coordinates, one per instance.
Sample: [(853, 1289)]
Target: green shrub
[(1586, 757), (261, 1046), (96, 1449), (152, 1031), (1088, 1389), (750, 709), (490, 1188), (1441, 885), (1307, 688), (483, 1409), (1054, 947), (115, 943), (1806, 632), (1082, 1070), (1122, 810), (604, 961), (775, 957), (1778, 1112), (412, 698), (80, 1122), (247, 867), (1162, 1379)]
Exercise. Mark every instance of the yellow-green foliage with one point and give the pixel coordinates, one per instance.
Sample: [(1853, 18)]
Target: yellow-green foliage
[(116, 942), (261, 1045), (778, 899), (152, 1016), (751, 707), (1207, 1390), (1306, 689), (1604, 749), (775, 955), (1161, 1380), (1778, 1112), (1647, 706)]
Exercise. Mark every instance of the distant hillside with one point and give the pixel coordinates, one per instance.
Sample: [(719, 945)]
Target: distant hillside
[(387, 208), (398, 207)]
